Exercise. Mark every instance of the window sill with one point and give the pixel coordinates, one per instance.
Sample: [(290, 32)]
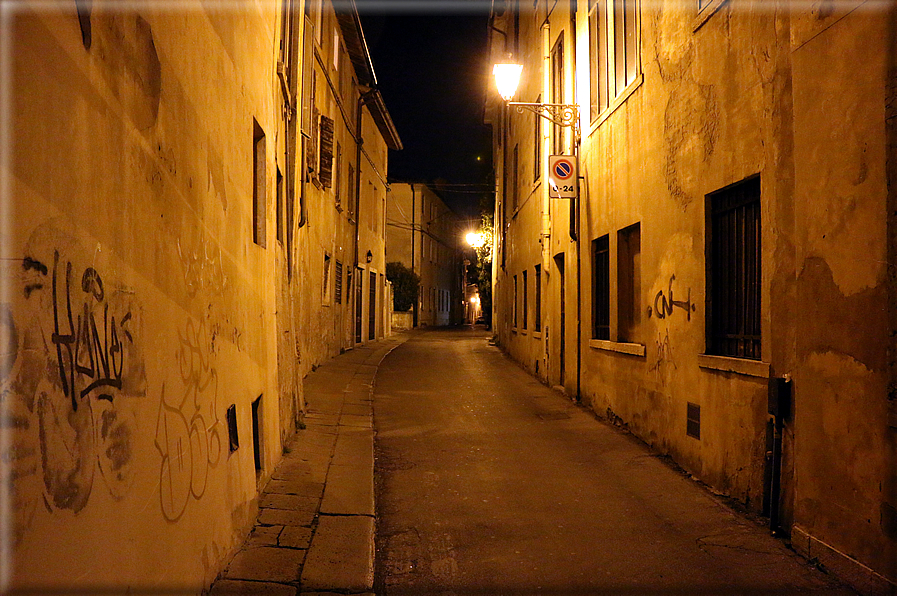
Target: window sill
[(742, 366), (537, 334), (705, 14), (522, 332), (514, 330), (617, 102), (618, 347)]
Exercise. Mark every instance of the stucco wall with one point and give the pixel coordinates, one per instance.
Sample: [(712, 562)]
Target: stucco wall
[(136, 307), (795, 96), (843, 444)]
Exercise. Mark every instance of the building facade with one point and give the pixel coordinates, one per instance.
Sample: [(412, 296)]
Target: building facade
[(425, 236), (720, 285), (190, 222)]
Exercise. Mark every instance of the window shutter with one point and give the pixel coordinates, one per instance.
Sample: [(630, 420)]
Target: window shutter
[(325, 167), (311, 148)]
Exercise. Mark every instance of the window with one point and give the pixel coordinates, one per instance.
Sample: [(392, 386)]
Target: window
[(525, 305), (350, 190), (259, 190), (515, 302), (279, 206), (629, 284), (515, 182), (537, 319), (337, 185), (232, 435), (326, 292), (537, 144), (257, 442), (613, 37), (733, 271), (601, 288), (557, 92)]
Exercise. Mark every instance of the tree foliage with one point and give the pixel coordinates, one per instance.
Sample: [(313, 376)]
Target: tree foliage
[(405, 284)]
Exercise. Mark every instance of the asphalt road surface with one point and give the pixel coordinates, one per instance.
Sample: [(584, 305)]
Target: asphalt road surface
[(488, 482)]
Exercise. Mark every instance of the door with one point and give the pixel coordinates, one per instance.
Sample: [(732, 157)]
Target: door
[(562, 300)]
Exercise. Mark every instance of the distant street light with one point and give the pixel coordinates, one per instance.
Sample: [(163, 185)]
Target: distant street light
[(476, 239)]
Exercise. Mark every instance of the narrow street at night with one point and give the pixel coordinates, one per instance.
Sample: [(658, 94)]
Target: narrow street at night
[(489, 482)]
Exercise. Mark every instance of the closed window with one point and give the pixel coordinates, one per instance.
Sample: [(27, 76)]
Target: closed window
[(613, 39), (537, 299), (557, 91), (601, 288), (733, 271), (629, 284), (259, 187)]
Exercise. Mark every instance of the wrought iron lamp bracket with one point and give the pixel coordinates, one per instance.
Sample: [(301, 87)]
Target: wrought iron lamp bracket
[(559, 113)]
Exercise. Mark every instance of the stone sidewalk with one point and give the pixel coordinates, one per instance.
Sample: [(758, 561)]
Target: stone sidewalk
[(315, 529)]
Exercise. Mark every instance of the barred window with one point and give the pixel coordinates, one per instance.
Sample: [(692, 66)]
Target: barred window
[(733, 271)]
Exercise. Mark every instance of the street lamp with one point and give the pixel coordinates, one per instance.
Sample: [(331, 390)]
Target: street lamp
[(476, 239), (507, 78)]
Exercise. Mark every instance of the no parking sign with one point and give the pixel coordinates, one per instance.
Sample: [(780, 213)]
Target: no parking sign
[(562, 176)]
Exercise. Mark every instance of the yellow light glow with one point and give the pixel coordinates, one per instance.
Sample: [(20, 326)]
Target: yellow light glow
[(474, 300), (475, 239), (507, 77)]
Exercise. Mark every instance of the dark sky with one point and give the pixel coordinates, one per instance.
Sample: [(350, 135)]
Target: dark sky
[(432, 71)]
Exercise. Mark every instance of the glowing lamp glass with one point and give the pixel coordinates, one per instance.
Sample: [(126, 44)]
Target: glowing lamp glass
[(507, 77), (475, 239)]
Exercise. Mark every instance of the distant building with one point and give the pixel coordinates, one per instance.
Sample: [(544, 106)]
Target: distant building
[(724, 285), (425, 235), (194, 218)]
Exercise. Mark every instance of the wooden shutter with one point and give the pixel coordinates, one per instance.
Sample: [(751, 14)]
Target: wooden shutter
[(325, 167)]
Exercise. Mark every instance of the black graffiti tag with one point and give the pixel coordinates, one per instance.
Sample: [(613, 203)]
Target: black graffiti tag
[(664, 308), (90, 357)]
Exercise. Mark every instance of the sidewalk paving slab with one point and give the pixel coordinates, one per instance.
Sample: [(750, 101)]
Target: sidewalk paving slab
[(314, 532)]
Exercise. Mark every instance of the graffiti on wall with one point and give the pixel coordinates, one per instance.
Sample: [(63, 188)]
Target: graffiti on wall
[(665, 304), (663, 354), (70, 369), (188, 430), (203, 268)]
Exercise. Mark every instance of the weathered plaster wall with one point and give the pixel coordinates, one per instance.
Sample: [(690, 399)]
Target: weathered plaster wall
[(841, 436), (137, 307), (707, 114)]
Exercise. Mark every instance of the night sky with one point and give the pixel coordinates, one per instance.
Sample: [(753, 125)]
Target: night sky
[(432, 70)]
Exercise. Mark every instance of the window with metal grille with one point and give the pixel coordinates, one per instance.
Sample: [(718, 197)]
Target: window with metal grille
[(601, 288), (525, 294), (733, 271)]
